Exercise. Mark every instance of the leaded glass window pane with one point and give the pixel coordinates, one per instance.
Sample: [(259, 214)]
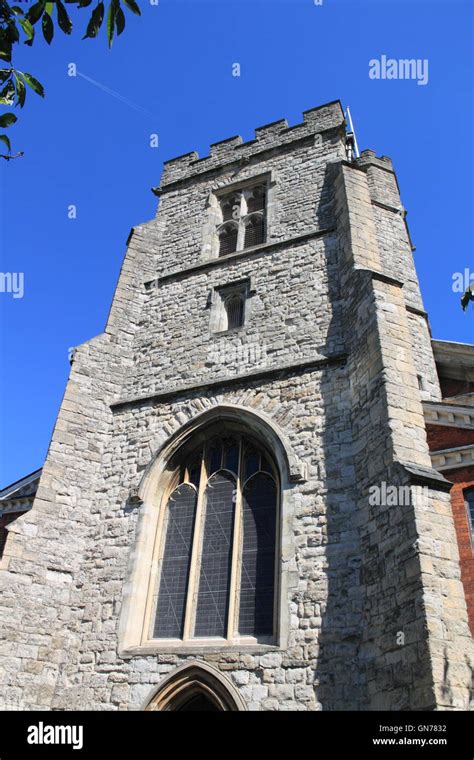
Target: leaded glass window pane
[(215, 457), (231, 461), (258, 556), (171, 606), (214, 581), (252, 463)]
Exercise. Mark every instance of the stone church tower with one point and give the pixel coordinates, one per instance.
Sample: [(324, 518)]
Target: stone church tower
[(215, 526)]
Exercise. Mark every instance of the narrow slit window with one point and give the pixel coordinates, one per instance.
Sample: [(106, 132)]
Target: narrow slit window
[(234, 307)]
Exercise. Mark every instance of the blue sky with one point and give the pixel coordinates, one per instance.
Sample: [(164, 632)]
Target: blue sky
[(86, 147)]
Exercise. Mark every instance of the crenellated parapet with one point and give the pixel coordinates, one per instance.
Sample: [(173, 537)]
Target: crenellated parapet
[(233, 149)]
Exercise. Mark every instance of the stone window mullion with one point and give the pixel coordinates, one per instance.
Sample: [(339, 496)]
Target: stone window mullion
[(193, 585)]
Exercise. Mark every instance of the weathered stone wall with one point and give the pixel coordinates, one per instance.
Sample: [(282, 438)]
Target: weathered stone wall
[(327, 355)]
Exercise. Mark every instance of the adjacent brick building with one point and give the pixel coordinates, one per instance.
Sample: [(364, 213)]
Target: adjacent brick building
[(450, 431), (205, 533)]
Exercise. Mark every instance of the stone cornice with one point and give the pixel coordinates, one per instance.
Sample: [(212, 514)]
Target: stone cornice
[(15, 505), (450, 353), (448, 415), (225, 382), (450, 459)]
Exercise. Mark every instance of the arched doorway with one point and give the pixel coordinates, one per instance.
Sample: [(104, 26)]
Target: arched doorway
[(195, 687)]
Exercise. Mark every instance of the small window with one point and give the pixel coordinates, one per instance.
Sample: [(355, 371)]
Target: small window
[(234, 308), (229, 307)]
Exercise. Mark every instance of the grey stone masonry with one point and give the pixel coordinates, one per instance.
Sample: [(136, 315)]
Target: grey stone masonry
[(326, 368)]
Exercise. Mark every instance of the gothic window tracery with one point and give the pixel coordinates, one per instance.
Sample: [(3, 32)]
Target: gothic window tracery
[(218, 543), (243, 223)]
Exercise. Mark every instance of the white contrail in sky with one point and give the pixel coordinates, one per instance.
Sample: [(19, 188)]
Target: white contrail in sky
[(117, 95)]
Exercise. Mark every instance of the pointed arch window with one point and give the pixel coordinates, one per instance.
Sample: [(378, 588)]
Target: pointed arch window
[(217, 545), (242, 222)]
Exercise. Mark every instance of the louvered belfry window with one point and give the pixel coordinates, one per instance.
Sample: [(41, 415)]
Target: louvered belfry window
[(254, 231), (228, 239), (217, 548), (243, 219)]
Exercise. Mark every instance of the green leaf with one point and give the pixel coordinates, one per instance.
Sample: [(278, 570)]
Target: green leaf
[(64, 21), (7, 95), (27, 28), (132, 6), (5, 10), (6, 119), (20, 90), (11, 32), (111, 20), (48, 8), (34, 84), (36, 11), (82, 3), (120, 21), (5, 140), (4, 74), (5, 49), (17, 10), (48, 28), (95, 21)]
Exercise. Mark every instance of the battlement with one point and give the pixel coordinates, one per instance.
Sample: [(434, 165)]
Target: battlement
[(369, 158), (319, 119)]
